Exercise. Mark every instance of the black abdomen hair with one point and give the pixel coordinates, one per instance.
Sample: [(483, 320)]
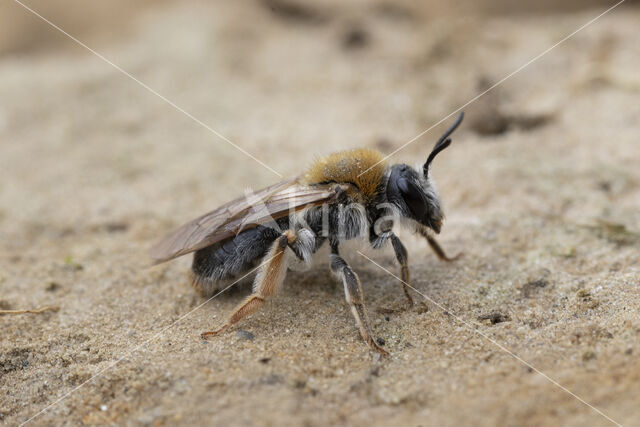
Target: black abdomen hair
[(230, 259)]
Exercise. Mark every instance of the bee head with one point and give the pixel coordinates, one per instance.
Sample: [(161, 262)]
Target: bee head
[(415, 196), (413, 192)]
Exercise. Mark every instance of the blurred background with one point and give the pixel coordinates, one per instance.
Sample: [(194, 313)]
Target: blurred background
[(272, 75), (24, 34), (541, 190)]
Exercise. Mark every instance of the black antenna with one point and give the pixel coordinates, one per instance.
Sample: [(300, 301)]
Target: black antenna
[(443, 142)]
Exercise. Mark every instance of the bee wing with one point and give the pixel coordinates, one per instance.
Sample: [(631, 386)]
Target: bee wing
[(243, 213)]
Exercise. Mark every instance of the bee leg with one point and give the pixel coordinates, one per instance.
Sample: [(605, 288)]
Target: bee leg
[(435, 246), (403, 259), (268, 280), (302, 243), (353, 294)]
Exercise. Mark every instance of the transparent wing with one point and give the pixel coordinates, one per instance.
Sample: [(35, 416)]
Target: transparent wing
[(242, 213)]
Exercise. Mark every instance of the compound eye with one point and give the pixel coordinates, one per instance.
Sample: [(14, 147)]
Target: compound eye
[(414, 199)]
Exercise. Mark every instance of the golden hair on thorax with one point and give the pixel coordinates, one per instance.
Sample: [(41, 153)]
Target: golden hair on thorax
[(348, 167)]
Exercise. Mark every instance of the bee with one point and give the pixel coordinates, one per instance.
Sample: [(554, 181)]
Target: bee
[(347, 195)]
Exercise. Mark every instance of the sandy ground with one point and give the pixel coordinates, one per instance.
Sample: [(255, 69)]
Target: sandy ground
[(541, 188)]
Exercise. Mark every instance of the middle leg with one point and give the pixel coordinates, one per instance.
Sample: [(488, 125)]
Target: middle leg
[(354, 296)]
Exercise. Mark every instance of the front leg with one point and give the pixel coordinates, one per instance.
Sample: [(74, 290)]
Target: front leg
[(354, 296), (437, 248), (403, 259), (378, 240)]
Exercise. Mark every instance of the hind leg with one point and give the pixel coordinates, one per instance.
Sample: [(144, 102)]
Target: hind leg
[(267, 282)]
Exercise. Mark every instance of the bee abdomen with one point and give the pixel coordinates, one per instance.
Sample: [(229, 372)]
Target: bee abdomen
[(215, 266)]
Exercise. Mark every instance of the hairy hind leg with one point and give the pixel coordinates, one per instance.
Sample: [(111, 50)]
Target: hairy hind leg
[(267, 282)]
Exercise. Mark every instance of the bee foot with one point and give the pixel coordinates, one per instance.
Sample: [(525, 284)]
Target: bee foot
[(454, 258), (206, 335), (374, 346)]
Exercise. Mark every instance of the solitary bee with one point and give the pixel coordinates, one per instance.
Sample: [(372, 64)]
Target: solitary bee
[(347, 195)]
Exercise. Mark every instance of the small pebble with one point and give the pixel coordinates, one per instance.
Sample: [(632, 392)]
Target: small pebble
[(103, 408), (244, 335), (355, 38), (52, 287)]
